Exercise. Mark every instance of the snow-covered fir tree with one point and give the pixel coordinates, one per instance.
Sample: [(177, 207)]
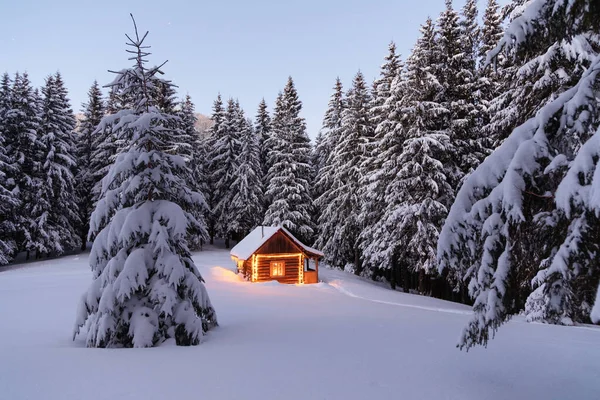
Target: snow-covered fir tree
[(26, 153), (247, 208), (93, 112), (339, 221), (194, 152), (262, 127), (458, 42), (290, 172), (145, 288), (385, 117), (404, 238), (165, 97), (216, 134), (105, 143), (527, 215), (489, 75), (225, 152), (56, 212), (329, 136), (8, 200)]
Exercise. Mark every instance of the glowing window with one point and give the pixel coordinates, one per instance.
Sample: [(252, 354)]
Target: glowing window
[(277, 268)]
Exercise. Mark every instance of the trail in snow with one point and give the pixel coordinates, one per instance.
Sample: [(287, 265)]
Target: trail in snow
[(339, 286)]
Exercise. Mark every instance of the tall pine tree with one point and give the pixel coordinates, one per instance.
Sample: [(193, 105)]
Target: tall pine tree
[(290, 172), (26, 153), (329, 137), (262, 127), (57, 212), (93, 112), (8, 201), (225, 152), (339, 222), (247, 206), (216, 134)]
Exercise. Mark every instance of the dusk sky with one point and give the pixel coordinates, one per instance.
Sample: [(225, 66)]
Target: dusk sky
[(242, 49)]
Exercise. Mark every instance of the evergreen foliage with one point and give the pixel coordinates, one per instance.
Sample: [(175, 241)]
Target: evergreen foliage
[(527, 215), (339, 221), (56, 212), (8, 200), (93, 112), (145, 288), (290, 172)]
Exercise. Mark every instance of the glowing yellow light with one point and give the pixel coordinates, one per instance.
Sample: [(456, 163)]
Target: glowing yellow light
[(301, 268), (254, 268), (283, 255)]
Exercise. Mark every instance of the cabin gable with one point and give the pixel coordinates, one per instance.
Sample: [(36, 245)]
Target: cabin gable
[(279, 244)]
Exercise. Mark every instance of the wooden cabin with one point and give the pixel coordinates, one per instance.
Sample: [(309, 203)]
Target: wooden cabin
[(272, 253)]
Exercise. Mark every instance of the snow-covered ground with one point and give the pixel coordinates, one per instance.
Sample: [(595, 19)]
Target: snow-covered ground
[(342, 339)]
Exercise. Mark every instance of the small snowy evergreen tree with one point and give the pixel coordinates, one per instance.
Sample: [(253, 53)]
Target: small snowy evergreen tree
[(93, 112), (145, 288), (290, 172)]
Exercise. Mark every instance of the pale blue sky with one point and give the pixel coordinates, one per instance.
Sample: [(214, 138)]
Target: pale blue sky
[(244, 49)]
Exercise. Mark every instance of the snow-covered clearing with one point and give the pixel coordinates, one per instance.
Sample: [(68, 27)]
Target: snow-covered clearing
[(344, 339)]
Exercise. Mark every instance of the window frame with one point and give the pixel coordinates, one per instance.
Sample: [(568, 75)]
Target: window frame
[(282, 269)]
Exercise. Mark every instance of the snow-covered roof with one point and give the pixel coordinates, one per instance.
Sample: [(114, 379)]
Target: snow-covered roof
[(259, 236)]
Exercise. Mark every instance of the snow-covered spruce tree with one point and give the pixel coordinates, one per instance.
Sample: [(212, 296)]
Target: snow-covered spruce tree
[(8, 200), (225, 153), (194, 153), (458, 41), (262, 127), (289, 189), (330, 135), (105, 143), (247, 206), (26, 153), (145, 288), (528, 214), (216, 134), (57, 213), (404, 238), (385, 117), (93, 112), (165, 97), (339, 222), (489, 76)]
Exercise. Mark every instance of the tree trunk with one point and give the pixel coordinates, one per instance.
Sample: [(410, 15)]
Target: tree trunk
[(405, 279), (227, 242), (393, 274), (422, 288), (357, 266), (212, 239)]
